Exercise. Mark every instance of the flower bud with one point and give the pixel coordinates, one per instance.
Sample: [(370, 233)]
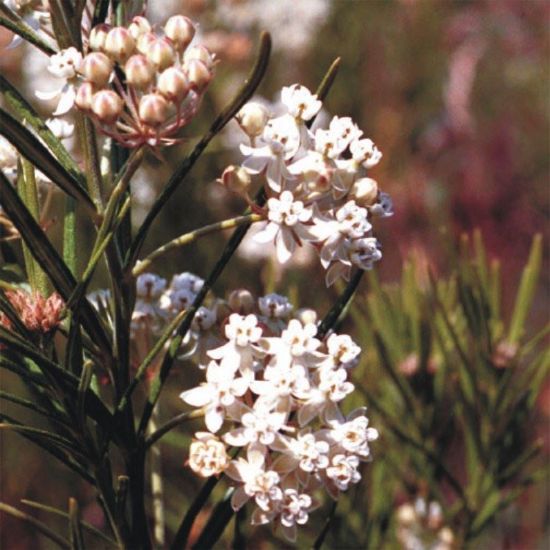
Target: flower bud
[(153, 109), (140, 72), (173, 84), (306, 316), (242, 301), (97, 68), (144, 41), (161, 53), (180, 30), (236, 179), (364, 191), (119, 44), (107, 106), (84, 95), (138, 26), (200, 53), (252, 118), (198, 74), (97, 36)]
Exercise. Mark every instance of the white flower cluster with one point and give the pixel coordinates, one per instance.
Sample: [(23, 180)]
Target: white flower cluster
[(273, 389), (420, 526), (316, 183)]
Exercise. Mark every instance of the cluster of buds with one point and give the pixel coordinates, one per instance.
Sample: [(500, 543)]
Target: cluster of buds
[(420, 526), (37, 313), (316, 183), (140, 86)]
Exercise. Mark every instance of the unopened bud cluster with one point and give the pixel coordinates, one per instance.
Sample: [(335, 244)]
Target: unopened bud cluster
[(37, 313), (142, 86), (317, 183)]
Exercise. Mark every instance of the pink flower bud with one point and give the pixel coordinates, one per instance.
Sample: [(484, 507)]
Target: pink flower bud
[(144, 42), (153, 109), (107, 106), (98, 35), (180, 30), (138, 26), (202, 54), (198, 74), (140, 72), (252, 118), (161, 53), (236, 179), (242, 301), (84, 95), (173, 84), (97, 68), (119, 44), (364, 191)]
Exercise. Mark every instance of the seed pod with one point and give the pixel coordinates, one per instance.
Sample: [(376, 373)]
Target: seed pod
[(153, 109), (107, 106), (202, 54), (364, 191), (96, 67), (252, 118), (198, 74), (138, 26), (97, 37), (173, 84), (236, 179), (161, 53), (84, 96), (119, 44), (180, 30), (140, 72)]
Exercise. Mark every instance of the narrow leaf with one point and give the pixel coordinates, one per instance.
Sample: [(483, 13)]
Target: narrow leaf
[(17, 25)]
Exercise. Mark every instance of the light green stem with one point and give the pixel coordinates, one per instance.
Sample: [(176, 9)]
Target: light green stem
[(192, 236), (69, 235)]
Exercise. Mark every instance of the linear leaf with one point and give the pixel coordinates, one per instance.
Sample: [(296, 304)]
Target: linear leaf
[(32, 149)]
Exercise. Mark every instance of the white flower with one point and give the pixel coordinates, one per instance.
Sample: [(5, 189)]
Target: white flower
[(364, 252), (8, 158), (174, 301), (329, 144), (310, 452), (63, 65), (345, 129), (204, 319), (207, 455), (383, 207), (365, 152), (342, 351), (216, 395), (294, 510), (300, 102), (187, 281), (343, 471), (61, 128), (354, 436), (150, 286), (259, 425), (258, 483), (274, 305), (286, 225), (315, 170), (280, 142)]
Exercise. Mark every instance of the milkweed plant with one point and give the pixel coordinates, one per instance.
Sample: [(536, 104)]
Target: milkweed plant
[(272, 396)]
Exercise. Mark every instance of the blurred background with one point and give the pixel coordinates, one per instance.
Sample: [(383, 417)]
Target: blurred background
[(454, 94)]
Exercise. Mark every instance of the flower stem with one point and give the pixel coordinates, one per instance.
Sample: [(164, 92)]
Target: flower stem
[(192, 236)]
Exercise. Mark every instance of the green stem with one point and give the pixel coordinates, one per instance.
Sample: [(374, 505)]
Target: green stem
[(69, 235), (192, 236), (91, 154)]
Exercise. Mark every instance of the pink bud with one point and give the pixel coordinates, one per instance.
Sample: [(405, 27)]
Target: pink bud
[(242, 301), (173, 84), (144, 42), (236, 179), (198, 74), (97, 68), (98, 35), (252, 118), (84, 95), (138, 26), (180, 30), (153, 109), (140, 72), (161, 53), (364, 191), (202, 54), (119, 44), (107, 106)]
